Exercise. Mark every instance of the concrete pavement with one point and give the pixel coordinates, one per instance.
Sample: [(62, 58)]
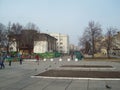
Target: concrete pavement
[(18, 77)]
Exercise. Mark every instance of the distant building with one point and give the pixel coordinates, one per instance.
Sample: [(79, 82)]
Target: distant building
[(13, 46), (45, 43), (62, 42), (73, 47), (116, 44)]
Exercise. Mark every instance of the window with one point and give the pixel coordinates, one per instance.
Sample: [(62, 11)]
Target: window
[(61, 39), (61, 43), (61, 47)]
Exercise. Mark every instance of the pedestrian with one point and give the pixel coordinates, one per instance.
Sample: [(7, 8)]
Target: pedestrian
[(21, 60), (9, 59), (37, 58), (72, 56), (2, 59)]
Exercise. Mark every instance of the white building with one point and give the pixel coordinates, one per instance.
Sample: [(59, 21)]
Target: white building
[(116, 44), (62, 42), (12, 47), (40, 46), (45, 43)]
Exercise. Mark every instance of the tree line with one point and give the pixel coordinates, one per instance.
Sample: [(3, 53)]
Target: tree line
[(93, 39), (20, 36), (23, 37)]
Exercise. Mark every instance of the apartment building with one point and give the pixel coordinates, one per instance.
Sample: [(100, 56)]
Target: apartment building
[(62, 42)]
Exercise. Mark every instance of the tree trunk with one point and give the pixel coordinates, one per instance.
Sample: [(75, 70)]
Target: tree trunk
[(93, 45), (8, 48), (108, 53)]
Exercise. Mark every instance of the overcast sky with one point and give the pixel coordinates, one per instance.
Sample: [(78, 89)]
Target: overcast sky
[(61, 16)]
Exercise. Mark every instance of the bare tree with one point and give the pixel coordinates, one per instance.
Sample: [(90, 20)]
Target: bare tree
[(16, 28), (31, 26), (2, 35), (28, 36), (109, 39), (92, 35), (85, 44), (16, 34)]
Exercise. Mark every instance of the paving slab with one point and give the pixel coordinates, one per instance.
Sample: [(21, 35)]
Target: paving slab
[(41, 84), (78, 85), (58, 84)]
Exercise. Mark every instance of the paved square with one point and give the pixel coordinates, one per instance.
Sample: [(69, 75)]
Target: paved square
[(18, 77)]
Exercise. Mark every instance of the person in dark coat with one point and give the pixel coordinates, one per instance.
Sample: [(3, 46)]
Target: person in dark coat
[(9, 57), (21, 59), (37, 58), (2, 59), (72, 54)]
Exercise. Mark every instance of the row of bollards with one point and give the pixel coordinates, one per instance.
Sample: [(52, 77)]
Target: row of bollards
[(61, 59)]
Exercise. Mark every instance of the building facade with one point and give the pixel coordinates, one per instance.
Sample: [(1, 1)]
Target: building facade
[(45, 43), (62, 42), (116, 45)]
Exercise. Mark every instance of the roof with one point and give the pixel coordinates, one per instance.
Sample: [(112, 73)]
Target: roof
[(44, 36)]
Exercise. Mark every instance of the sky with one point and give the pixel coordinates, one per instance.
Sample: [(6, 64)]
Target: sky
[(69, 17)]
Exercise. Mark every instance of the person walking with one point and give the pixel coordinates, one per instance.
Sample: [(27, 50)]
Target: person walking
[(37, 58), (72, 55), (9, 57), (21, 60), (2, 59)]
